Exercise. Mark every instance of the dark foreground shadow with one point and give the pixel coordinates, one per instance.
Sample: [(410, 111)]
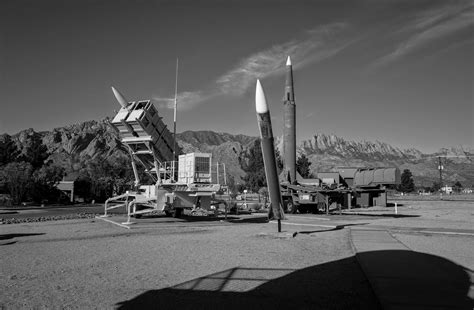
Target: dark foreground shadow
[(377, 214), (338, 227), (335, 285), (392, 204), (11, 236), (8, 243), (408, 279), (8, 212), (261, 218)]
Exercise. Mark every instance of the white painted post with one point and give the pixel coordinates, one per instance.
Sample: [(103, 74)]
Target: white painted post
[(225, 177), (128, 222)]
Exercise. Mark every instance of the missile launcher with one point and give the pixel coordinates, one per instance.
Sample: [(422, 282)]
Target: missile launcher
[(143, 131), (151, 144)]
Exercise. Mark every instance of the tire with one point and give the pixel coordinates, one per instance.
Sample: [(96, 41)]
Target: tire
[(303, 209), (290, 207), (177, 212)]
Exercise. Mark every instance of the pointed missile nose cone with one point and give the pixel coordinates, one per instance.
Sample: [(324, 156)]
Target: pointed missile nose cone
[(120, 98), (260, 101), (288, 61)]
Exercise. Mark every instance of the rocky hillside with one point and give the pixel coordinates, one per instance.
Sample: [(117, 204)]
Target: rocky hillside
[(326, 152), (225, 148)]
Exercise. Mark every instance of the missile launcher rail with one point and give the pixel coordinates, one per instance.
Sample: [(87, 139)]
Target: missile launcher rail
[(147, 138)]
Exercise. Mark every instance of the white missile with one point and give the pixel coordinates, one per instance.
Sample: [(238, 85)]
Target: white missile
[(268, 152), (288, 61), (120, 98), (260, 100)]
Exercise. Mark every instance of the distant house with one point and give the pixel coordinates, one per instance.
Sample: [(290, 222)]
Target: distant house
[(467, 191), (67, 185), (447, 189)]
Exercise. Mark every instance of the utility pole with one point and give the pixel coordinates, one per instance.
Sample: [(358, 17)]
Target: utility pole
[(440, 167)]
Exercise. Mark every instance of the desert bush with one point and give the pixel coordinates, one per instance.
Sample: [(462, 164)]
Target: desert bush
[(17, 177)]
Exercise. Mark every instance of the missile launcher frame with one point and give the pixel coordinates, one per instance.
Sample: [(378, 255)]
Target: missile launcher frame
[(151, 144)]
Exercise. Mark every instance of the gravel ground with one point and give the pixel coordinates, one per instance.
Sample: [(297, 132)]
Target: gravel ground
[(51, 262), (459, 249), (14, 220), (433, 214), (434, 197), (92, 264)]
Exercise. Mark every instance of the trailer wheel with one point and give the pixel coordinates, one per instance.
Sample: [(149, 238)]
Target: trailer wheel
[(177, 212), (290, 207), (303, 209)]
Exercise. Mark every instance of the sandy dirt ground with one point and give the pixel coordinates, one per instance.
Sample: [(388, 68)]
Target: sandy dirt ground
[(442, 228), (92, 264)]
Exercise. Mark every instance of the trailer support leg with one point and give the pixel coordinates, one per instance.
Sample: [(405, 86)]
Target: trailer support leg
[(327, 205)]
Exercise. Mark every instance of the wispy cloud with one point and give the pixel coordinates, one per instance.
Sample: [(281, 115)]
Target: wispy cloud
[(186, 100), (314, 45), (425, 27)]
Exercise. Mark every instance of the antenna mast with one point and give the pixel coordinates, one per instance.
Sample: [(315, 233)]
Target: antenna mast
[(174, 118)]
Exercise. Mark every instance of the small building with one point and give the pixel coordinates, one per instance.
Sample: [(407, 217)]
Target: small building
[(447, 189), (67, 185)]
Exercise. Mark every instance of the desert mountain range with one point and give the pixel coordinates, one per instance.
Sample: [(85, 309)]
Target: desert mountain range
[(325, 152)]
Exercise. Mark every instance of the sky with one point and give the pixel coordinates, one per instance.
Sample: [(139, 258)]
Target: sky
[(399, 72)]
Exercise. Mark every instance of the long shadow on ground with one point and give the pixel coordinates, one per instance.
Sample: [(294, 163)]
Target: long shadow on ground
[(11, 236), (362, 214), (335, 285), (261, 218)]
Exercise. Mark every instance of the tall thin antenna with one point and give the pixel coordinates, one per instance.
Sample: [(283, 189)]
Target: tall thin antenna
[(175, 108), (173, 163)]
